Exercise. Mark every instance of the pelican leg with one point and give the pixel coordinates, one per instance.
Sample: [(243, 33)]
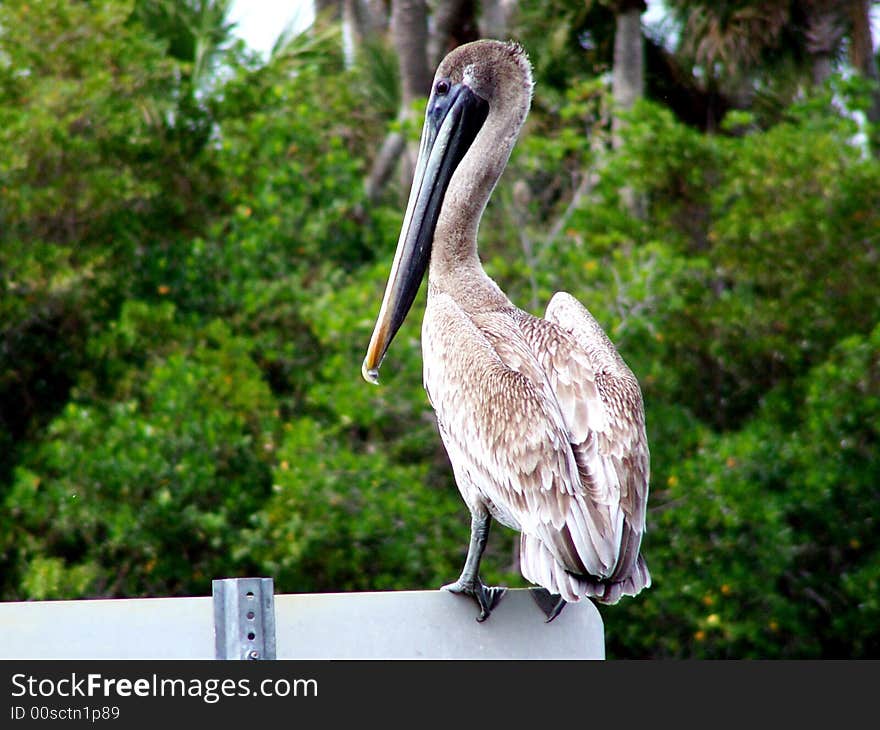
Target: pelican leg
[(469, 582), (550, 603)]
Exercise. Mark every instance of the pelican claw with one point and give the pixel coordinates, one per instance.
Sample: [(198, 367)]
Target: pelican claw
[(487, 597), (550, 603)]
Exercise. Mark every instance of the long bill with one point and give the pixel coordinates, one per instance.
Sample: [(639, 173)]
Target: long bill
[(451, 124)]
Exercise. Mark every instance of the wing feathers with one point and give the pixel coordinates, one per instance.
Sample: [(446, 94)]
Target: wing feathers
[(550, 437)]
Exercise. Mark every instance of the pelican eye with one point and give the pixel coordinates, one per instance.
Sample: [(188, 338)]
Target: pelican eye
[(442, 87)]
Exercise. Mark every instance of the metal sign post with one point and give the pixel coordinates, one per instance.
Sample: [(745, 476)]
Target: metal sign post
[(244, 618)]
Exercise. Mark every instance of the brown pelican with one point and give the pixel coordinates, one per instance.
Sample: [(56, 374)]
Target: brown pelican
[(542, 420)]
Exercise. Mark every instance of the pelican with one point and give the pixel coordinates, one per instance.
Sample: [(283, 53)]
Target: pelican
[(542, 420)]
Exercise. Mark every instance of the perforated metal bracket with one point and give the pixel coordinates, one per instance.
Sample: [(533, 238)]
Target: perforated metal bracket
[(244, 618)]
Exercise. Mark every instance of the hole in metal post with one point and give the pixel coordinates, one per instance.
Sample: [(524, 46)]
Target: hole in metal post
[(251, 636), (250, 594), (250, 615)]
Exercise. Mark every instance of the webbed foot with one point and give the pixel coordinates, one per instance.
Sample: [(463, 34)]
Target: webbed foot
[(550, 603), (487, 597)]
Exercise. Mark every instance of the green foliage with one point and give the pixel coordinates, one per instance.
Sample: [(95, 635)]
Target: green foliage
[(289, 158), (342, 519), (88, 91), (94, 190), (764, 539), (837, 455), (557, 28), (150, 490)]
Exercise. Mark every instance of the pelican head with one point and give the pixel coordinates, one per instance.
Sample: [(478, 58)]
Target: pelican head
[(478, 86)]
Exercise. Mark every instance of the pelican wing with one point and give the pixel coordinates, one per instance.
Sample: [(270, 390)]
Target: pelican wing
[(613, 451), (574, 364), (522, 416)]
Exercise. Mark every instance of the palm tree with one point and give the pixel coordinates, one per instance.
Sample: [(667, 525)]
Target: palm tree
[(453, 22), (409, 29), (728, 42), (862, 55), (198, 33), (825, 28), (629, 58), (496, 17), (738, 45)]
